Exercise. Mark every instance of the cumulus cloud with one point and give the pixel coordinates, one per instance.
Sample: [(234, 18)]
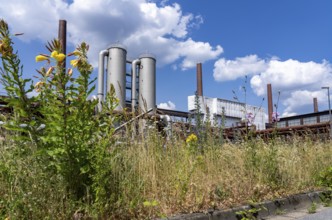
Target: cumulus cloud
[(225, 70), (300, 98), (299, 82), (141, 25), (167, 105), (292, 75)]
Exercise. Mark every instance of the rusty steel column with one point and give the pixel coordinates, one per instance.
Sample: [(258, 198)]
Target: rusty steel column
[(315, 105), (63, 38), (269, 102), (199, 79)]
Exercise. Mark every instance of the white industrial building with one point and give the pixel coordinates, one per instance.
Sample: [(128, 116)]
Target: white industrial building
[(228, 113)]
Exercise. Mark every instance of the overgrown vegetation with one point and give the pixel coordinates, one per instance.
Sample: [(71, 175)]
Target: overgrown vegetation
[(60, 160)]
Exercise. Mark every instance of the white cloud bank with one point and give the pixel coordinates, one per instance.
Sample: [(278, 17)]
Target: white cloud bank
[(299, 82), (141, 25), (225, 70), (167, 105)]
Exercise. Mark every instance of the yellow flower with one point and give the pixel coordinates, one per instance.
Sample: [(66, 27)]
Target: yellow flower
[(54, 53), (74, 63), (75, 53), (191, 139), (41, 57), (58, 56)]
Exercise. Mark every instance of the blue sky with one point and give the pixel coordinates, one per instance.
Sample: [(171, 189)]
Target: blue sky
[(285, 43)]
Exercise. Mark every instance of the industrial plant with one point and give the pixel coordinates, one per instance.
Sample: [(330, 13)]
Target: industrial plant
[(134, 85)]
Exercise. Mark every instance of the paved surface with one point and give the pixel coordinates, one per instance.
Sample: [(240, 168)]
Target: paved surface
[(322, 213), (289, 208)]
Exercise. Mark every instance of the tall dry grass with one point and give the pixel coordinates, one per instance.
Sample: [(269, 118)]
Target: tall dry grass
[(154, 178), (173, 178)]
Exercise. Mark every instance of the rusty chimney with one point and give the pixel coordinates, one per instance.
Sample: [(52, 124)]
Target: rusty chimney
[(269, 102), (199, 79), (315, 105), (62, 35)]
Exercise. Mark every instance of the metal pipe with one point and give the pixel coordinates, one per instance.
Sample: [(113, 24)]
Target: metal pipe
[(199, 79), (133, 119), (269, 102), (133, 83), (101, 81), (168, 129)]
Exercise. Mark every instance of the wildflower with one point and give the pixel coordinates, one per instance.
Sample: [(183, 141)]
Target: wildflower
[(58, 56), (54, 53), (275, 117), (250, 118), (75, 53), (191, 139), (70, 72), (49, 71), (38, 86), (41, 57), (74, 63)]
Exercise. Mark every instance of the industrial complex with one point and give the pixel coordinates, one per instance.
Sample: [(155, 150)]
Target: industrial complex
[(134, 84)]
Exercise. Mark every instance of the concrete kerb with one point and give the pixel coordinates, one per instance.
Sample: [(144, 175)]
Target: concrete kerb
[(267, 208)]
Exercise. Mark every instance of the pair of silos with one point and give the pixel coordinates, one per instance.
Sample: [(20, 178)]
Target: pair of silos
[(116, 77)]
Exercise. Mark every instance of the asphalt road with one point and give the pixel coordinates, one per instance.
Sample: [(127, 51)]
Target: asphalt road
[(323, 213)]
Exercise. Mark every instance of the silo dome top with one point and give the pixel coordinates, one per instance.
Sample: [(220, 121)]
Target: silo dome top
[(147, 55), (117, 45)]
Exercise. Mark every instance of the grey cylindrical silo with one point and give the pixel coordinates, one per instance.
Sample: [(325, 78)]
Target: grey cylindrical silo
[(147, 82), (116, 73)]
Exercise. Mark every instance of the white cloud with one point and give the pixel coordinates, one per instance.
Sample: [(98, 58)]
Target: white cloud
[(141, 25), (37, 19), (300, 98), (233, 69), (292, 75), (288, 114), (167, 105), (299, 82)]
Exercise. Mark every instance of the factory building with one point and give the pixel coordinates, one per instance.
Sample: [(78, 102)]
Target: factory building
[(304, 119), (224, 112)]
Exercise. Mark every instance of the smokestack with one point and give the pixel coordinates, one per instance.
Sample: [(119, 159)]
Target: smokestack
[(199, 79), (269, 102), (62, 35), (315, 105)]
